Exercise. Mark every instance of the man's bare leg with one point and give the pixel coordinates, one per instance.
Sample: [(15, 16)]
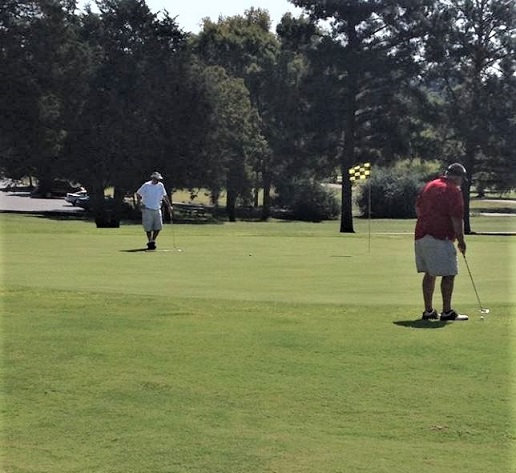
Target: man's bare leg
[(428, 291), (447, 283)]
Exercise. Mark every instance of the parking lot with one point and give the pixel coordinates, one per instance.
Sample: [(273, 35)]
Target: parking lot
[(22, 202)]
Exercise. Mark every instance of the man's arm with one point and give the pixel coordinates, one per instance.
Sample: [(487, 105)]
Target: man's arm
[(139, 195), (138, 200), (457, 218), (168, 204), (458, 228)]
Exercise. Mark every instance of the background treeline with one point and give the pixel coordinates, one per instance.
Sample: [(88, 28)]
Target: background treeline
[(105, 96)]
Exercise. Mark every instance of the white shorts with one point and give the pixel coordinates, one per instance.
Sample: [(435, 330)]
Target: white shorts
[(151, 220), (436, 257)]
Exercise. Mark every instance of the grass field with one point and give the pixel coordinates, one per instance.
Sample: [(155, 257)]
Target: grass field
[(260, 347)]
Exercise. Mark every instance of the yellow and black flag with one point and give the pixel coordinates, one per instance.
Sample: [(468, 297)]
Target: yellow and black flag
[(362, 171)]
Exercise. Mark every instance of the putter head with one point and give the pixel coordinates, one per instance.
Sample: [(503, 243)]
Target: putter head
[(484, 311)]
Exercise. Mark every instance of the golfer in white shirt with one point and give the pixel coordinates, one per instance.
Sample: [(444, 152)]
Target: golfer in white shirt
[(149, 197)]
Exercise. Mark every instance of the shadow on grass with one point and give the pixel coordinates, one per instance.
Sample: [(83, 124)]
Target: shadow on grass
[(419, 323), (146, 250)]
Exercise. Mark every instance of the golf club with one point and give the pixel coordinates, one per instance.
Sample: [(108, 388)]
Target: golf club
[(483, 310), (174, 236)]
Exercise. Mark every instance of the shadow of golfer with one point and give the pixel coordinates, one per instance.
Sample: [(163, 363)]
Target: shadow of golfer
[(147, 250), (419, 323)]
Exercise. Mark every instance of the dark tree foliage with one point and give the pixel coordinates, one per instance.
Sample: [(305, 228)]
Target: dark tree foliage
[(246, 49), (496, 165), (105, 97), (392, 195), (470, 51), (233, 137), (40, 78), (141, 109), (359, 60)]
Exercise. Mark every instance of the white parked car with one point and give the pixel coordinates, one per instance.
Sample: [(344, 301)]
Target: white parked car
[(73, 197)]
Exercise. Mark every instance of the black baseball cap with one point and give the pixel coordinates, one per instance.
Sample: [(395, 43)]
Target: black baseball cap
[(456, 169)]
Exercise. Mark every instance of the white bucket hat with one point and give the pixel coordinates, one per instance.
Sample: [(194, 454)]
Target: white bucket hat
[(156, 175)]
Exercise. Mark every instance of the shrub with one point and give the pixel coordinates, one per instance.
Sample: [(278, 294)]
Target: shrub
[(308, 201), (392, 195)]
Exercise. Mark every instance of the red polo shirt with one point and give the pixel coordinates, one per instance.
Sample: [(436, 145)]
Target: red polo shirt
[(436, 204)]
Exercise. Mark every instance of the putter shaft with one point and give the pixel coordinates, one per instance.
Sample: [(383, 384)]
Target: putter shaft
[(483, 310)]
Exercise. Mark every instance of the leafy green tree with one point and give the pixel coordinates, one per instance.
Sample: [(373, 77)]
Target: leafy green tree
[(18, 99), (246, 49), (470, 46), (496, 166), (140, 110), (392, 190), (39, 78), (283, 115), (360, 57), (233, 138)]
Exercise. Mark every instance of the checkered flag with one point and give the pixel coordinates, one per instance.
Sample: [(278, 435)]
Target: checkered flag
[(360, 172)]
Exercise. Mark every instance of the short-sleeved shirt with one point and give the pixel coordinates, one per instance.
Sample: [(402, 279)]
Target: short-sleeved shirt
[(437, 203), (152, 194)]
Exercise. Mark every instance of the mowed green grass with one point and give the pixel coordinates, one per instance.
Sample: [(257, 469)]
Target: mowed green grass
[(260, 347)]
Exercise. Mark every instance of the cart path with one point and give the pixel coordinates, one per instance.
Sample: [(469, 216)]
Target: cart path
[(22, 202)]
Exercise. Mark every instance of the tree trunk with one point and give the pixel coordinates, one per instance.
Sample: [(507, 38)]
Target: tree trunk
[(97, 204), (474, 134), (214, 197), (256, 191), (105, 216), (346, 218), (466, 192), (266, 210), (347, 161), (231, 204), (348, 153), (118, 196), (469, 163)]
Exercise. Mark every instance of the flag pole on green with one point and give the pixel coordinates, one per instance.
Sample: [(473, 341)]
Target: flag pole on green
[(359, 173)]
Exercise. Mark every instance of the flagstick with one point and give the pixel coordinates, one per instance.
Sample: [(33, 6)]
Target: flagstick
[(363, 171), (369, 218)]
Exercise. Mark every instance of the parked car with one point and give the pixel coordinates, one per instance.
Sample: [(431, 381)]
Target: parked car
[(73, 197), (58, 188), (110, 206), (84, 202)]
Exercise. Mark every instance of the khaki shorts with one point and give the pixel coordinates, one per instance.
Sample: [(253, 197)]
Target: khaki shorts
[(151, 220), (436, 257)]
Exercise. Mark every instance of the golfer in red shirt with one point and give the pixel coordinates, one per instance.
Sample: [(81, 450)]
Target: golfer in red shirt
[(440, 221)]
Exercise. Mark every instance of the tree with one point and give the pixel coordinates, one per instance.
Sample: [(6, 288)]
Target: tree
[(139, 111), (39, 78), (234, 138), (359, 60), (246, 49), (471, 46), (283, 117), (496, 166)]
